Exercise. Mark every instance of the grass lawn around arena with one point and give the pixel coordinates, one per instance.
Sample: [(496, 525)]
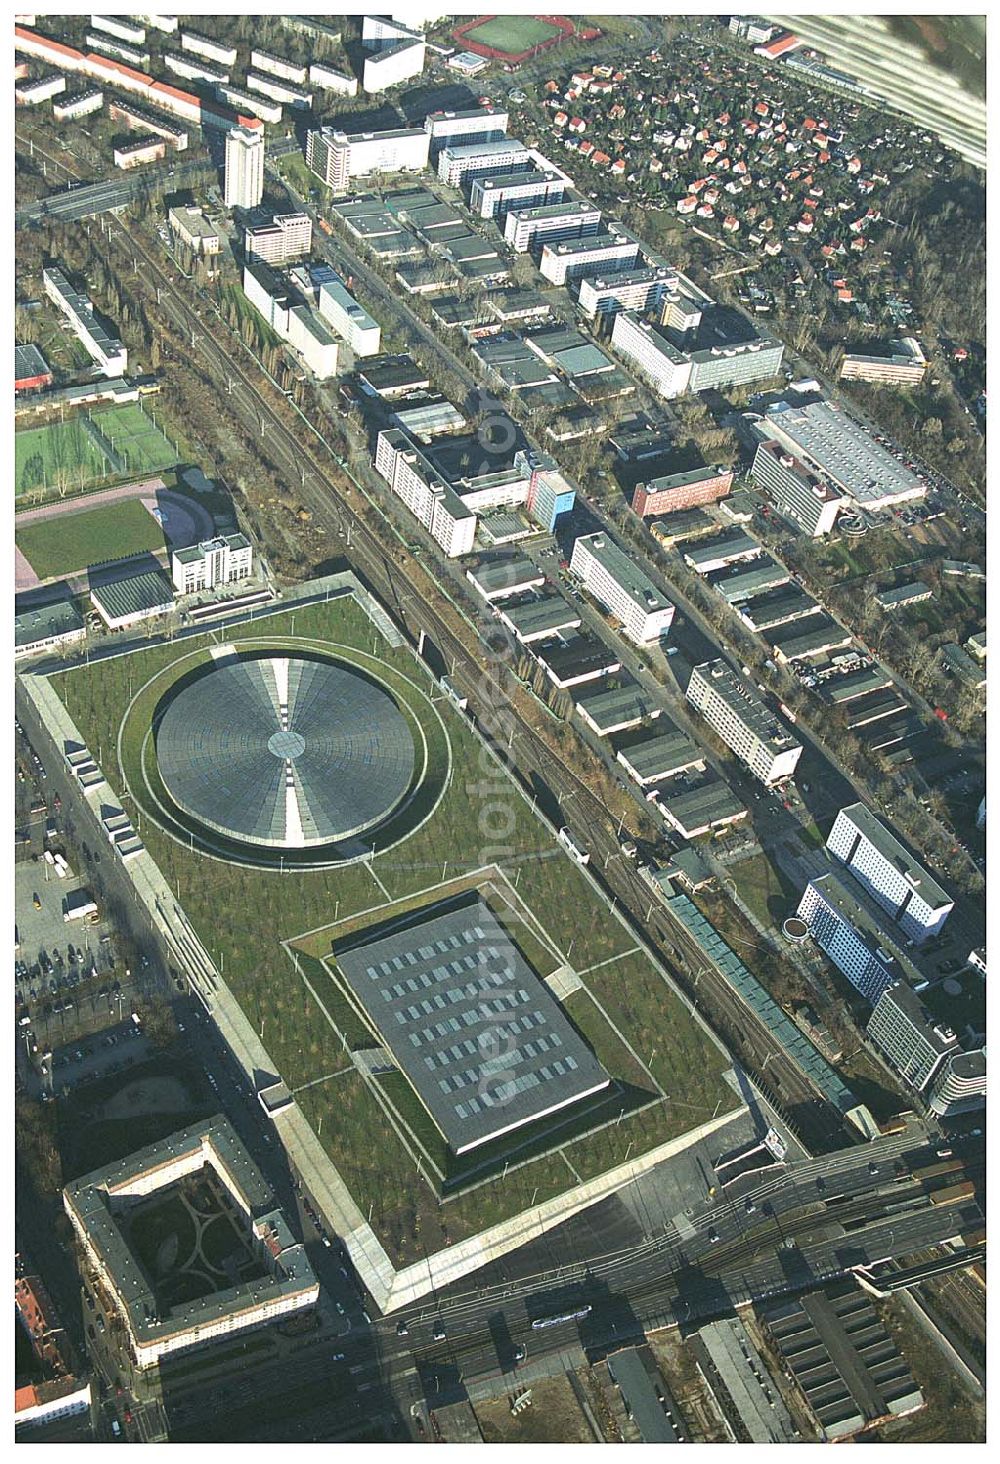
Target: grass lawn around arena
[(70, 542), (249, 918), (512, 34)]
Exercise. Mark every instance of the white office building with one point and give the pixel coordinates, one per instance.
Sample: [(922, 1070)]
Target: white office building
[(491, 197), (221, 561), (840, 928), (893, 878), (244, 174), (296, 323), (611, 577), (310, 335), (193, 229), (608, 292), (286, 237), (735, 364), (667, 369), (349, 319), (909, 1039), (960, 1085), (743, 721), (461, 162), (528, 228), (107, 350), (566, 259), (475, 124), (802, 496), (904, 364), (337, 156)]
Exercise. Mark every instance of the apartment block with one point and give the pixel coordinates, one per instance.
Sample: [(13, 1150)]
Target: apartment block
[(743, 721), (667, 369), (631, 597), (332, 81), (244, 170), (893, 878), (78, 103), (798, 494), (107, 350)]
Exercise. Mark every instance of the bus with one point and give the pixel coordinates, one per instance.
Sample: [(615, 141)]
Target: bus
[(577, 1315), (573, 849)]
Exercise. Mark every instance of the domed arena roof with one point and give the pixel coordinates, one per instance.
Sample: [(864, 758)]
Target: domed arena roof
[(286, 752)]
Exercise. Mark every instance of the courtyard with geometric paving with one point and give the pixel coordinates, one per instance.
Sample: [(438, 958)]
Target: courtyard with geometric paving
[(191, 1240)]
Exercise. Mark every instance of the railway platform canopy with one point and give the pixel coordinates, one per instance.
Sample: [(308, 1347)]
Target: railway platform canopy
[(795, 1043)]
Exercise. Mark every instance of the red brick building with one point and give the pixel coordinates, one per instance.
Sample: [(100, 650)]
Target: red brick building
[(681, 490)]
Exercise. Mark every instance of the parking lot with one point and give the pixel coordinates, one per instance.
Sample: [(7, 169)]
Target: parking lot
[(108, 1051)]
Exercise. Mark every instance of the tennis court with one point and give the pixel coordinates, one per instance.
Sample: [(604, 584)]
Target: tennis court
[(88, 448)]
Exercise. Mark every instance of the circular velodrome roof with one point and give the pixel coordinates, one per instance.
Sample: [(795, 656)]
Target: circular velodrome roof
[(284, 752)]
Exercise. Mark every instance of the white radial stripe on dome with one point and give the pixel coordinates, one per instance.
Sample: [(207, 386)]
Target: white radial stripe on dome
[(293, 835), (280, 668), (262, 675), (227, 760)]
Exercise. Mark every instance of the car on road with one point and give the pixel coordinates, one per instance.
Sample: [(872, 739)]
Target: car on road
[(520, 1352), (439, 1332)]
